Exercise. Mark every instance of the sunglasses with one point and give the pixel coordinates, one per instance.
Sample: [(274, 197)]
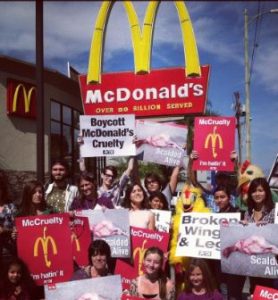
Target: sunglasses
[(109, 175), (151, 181)]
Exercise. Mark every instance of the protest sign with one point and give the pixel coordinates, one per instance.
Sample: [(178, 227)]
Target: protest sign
[(250, 250), (199, 234), (127, 297), (44, 244), (107, 135), (161, 143), (276, 214), (162, 219), (99, 288), (111, 225), (80, 239), (264, 293), (142, 239), (214, 139)]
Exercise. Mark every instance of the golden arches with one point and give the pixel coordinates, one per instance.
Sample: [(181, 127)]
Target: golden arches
[(26, 96), (142, 39), (214, 138)]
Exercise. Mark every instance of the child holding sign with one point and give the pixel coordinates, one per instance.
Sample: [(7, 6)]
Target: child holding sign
[(199, 283)]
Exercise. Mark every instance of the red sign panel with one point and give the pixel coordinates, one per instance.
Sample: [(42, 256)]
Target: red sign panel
[(44, 244), (214, 139), (21, 99), (161, 92), (142, 239), (264, 293)]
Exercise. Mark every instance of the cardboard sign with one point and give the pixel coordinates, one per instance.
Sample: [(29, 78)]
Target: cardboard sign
[(214, 139), (44, 244), (160, 92), (111, 225), (264, 293), (199, 234), (250, 250), (80, 239), (161, 143), (142, 239), (99, 288), (162, 220), (107, 135)]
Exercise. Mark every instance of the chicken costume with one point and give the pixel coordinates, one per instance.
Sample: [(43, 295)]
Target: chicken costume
[(190, 200)]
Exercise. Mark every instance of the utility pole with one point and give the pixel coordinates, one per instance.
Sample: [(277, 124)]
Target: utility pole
[(239, 112)]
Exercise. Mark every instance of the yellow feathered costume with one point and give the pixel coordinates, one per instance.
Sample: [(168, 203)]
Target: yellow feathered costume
[(190, 200)]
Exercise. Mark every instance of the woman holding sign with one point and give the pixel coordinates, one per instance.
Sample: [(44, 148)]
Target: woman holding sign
[(137, 201), (153, 284)]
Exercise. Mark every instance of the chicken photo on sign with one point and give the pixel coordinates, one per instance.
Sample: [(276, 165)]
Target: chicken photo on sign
[(249, 250)]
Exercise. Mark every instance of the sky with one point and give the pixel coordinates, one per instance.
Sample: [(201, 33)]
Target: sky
[(219, 31)]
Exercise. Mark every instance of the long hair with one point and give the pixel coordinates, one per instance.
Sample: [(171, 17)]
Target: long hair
[(161, 197), (162, 278), (4, 199), (100, 247), (208, 282), (88, 177), (127, 201), (26, 280), (268, 202), (62, 162), (27, 208)]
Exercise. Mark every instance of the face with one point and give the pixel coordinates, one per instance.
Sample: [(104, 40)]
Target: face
[(86, 187), (99, 262), (136, 195), (107, 178), (37, 195), (152, 263), (14, 274), (156, 203), (152, 185), (58, 172), (196, 277), (221, 199), (258, 195)]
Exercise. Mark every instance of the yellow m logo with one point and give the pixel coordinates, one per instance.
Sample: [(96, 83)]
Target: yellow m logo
[(142, 39), (140, 252), (44, 242), (214, 138), (74, 239), (26, 96)]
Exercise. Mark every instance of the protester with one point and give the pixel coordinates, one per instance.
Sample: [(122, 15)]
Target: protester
[(99, 257), (260, 210), (59, 193), (33, 202), (153, 284), (88, 198), (136, 201), (111, 188), (158, 200), (222, 198), (199, 282), (8, 212), (16, 282), (153, 183)]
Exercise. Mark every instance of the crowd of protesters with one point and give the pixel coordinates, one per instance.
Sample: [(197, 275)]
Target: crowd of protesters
[(203, 278)]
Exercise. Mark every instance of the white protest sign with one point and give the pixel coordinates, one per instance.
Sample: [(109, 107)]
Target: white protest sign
[(200, 234), (107, 135), (162, 220)]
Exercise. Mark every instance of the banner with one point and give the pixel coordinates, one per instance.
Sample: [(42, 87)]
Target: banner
[(214, 139), (199, 234), (99, 288), (44, 244), (111, 225), (127, 297), (144, 92), (107, 135), (162, 220), (250, 250), (21, 99), (161, 143), (80, 239), (142, 239), (264, 293)]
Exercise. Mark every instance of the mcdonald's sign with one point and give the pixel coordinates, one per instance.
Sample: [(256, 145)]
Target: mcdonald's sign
[(145, 92), (214, 139), (21, 99)]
